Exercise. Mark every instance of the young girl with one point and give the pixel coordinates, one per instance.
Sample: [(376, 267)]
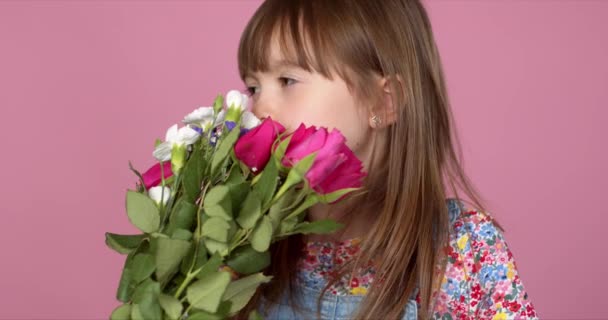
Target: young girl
[(371, 69)]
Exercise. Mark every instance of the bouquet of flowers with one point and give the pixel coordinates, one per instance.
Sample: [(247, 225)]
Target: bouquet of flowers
[(226, 186)]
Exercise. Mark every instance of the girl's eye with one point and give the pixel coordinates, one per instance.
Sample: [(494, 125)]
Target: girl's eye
[(285, 78), (250, 91)]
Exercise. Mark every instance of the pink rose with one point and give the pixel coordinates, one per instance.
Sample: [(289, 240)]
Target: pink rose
[(254, 147), (152, 177), (335, 167)]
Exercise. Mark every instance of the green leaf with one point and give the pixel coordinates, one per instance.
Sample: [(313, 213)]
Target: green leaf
[(331, 197), (202, 315), (267, 184), (233, 228), (142, 267), (212, 265), (218, 103), (287, 225), (238, 194), (310, 200), (261, 235), (169, 253), (216, 195), (171, 305), (235, 176), (207, 292), (217, 202), (142, 212), (145, 298), (297, 173), (216, 228), (245, 260), (279, 152), (214, 246), (200, 259), (223, 149), (123, 243), (277, 212), (146, 289), (181, 234), (217, 210), (150, 308), (240, 291), (251, 210), (122, 312), (182, 216), (318, 226), (220, 313), (135, 313), (193, 173), (125, 287)]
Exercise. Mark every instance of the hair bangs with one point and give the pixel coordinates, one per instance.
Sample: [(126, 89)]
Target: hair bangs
[(297, 28)]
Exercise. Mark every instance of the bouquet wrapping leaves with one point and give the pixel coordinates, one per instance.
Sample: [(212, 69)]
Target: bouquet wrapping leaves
[(226, 186)]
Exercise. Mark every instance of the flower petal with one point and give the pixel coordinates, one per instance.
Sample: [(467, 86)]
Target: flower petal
[(249, 120), (199, 116), (171, 133), (220, 117), (155, 193), (234, 98), (162, 152), (187, 135)]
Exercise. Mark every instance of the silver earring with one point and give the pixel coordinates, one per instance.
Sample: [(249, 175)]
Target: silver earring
[(376, 120)]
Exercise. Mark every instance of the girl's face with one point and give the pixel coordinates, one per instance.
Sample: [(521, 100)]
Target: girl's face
[(292, 95)]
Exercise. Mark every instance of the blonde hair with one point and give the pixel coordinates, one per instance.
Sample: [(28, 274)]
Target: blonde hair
[(361, 40)]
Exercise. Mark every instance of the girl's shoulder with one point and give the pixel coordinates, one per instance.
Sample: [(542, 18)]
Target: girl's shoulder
[(481, 279)]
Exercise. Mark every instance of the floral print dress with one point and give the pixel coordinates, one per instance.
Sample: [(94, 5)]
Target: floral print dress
[(482, 281)]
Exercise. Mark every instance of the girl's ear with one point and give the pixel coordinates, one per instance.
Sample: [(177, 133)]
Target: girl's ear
[(385, 113)]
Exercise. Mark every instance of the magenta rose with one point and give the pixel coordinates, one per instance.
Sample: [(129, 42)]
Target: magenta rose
[(335, 167), (254, 147), (152, 177)]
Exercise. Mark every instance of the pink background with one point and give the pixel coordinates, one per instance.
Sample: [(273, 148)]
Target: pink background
[(87, 86)]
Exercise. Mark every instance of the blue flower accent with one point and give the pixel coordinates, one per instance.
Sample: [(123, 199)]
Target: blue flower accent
[(487, 273), (324, 258), (451, 287), (487, 230), (230, 125), (213, 138), (501, 271), (474, 236), (243, 131), (197, 129)]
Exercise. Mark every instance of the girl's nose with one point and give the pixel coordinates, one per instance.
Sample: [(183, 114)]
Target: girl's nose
[(262, 108)]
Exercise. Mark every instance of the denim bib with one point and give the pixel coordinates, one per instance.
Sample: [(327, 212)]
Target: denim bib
[(333, 307)]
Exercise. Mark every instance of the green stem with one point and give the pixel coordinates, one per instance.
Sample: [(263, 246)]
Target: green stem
[(191, 275), (242, 240), (181, 288)]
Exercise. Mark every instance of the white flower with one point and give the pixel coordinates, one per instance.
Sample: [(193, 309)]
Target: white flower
[(236, 98), (202, 116), (249, 120), (155, 193), (221, 116), (183, 136)]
